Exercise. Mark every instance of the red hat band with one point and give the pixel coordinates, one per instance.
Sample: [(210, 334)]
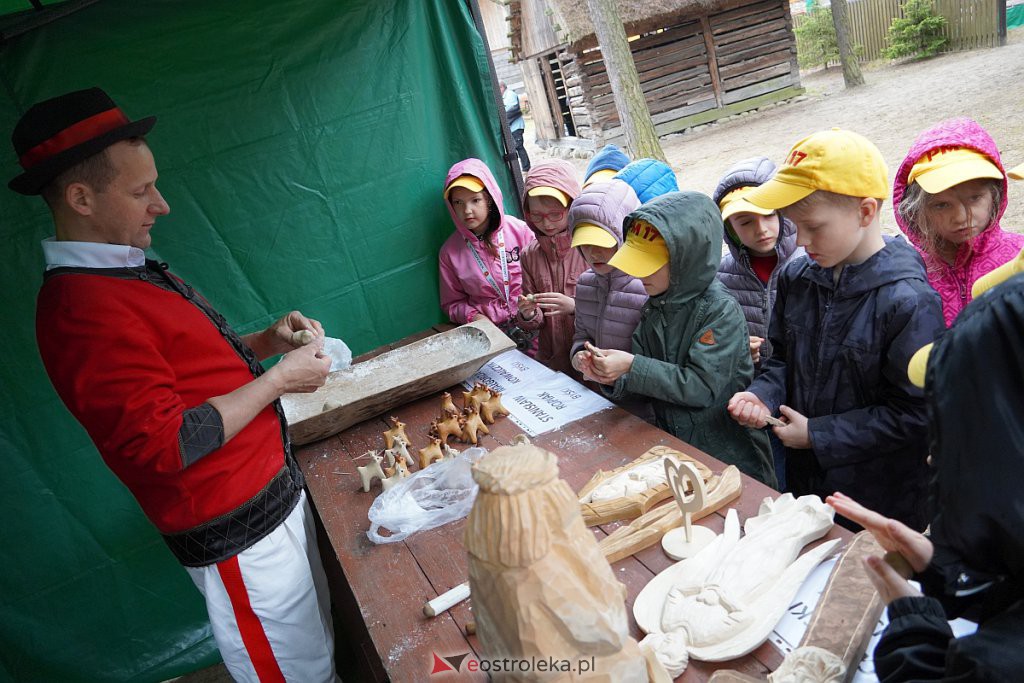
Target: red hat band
[(74, 135)]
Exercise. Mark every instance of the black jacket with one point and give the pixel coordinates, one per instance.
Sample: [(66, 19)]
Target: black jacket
[(975, 390), (840, 358)]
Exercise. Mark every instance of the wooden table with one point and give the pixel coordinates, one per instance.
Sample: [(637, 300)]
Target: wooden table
[(379, 590)]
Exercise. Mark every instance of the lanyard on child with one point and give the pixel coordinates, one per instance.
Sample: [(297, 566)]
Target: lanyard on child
[(504, 267)]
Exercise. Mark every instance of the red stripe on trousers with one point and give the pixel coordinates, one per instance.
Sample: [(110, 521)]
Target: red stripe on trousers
[(249, 626)]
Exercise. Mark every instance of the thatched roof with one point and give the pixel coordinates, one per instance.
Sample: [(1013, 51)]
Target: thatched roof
[(572, 17)]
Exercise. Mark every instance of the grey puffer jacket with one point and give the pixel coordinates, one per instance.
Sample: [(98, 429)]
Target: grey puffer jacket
[(607, 306), (735, 272)]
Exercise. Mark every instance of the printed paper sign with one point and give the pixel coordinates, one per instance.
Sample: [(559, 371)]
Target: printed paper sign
[(538, 399)]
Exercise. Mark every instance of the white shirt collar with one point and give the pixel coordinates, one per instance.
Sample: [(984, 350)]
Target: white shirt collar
[(62, 253)]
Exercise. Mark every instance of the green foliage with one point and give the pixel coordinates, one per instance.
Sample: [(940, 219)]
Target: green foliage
[(918, 33), (816, 38)]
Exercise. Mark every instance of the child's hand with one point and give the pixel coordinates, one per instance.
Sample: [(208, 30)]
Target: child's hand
[(586, 366), (747, 409), (895, 537), (892, 535), (794, 433), (578, 359), (555, 303), (755, 349), (609, 364), (527, 306)]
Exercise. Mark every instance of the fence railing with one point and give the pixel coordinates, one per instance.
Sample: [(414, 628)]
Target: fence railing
[(970, 24)]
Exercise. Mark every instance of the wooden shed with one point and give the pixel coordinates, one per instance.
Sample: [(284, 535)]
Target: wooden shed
[(698, 60)]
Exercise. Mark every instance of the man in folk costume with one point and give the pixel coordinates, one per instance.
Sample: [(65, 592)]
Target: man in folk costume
[(176, 402)]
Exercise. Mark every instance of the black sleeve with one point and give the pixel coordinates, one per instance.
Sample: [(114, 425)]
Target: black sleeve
[(914, 645), (201, 432)]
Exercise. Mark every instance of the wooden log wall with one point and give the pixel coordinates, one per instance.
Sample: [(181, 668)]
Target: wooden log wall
[(696, 63)]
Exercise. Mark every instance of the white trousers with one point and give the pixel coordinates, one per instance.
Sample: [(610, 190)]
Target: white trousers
[(270, 608)]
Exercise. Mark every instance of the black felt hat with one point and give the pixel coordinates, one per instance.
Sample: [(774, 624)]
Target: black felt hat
[(56, 134)]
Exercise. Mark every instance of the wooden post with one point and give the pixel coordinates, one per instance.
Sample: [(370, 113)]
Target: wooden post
[(709, 45), (852, 76), (635, 117)]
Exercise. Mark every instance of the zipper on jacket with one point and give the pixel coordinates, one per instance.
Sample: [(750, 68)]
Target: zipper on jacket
[(821, 340)]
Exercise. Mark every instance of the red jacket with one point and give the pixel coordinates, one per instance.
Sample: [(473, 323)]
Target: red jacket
[(129, 358)]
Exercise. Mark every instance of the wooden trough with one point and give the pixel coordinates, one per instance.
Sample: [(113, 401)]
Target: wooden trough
[(392, 379)]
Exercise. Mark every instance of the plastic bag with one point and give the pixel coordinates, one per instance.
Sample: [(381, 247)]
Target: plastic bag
[(340, 354), (441, 493)]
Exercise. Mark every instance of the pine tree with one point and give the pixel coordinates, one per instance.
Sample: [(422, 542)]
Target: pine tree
[(919, 32)]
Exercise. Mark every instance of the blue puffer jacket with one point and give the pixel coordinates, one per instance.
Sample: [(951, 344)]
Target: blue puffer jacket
[(649, 178), (608, 158), (841, 355), (735, 271)]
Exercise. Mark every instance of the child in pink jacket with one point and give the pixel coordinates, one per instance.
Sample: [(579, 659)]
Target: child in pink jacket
[(481, 262), (550, 265), (949, 195)]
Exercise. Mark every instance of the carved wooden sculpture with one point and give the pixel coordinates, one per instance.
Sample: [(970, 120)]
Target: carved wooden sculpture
[(447, 405), (539, 584), (648, 528), (431, 453), (470, 400), (367, 473), (444, 428), (472, 426), (491, 408), (685, 542), (723, 602), (400, 450), (840, 628), (631, 490), (397, 429)]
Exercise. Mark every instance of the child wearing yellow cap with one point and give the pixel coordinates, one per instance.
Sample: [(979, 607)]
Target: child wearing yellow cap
[(847, 319), (690, 351), (949, 194), (551, 266)]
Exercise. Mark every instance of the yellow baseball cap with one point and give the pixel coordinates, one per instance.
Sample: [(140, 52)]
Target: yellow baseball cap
[(600, 176), (643, 253), (735, 202), (471, 183), (590, 234), (919, 362), (1017, 172), (941, 169), (836, 160), (547, 191)]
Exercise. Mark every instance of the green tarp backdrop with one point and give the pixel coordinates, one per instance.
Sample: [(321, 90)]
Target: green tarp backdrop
[(302, 147)]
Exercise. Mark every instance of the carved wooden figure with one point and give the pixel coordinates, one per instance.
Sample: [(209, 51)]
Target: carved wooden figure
[(397, 429), (431, 453), (401, 447), (539, 584), (367, 473), (447, 405), (473, 425), (491, 409), (399, 472), (470, 400), (448, 426)]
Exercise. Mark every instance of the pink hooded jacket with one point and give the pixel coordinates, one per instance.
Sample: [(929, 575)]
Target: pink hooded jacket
[(464, 289), (551, 265), (991, 248)]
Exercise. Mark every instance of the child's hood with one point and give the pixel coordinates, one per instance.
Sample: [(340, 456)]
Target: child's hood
[(556, 173), (649, 178), (752, 173), (960, 132), (691, 225), (478, 170), (609, 158), (605, 205)]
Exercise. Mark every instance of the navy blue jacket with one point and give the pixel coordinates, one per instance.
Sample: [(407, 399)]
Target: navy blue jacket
[(840, 358)]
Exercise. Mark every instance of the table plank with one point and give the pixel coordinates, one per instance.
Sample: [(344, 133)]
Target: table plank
[(386, 585)]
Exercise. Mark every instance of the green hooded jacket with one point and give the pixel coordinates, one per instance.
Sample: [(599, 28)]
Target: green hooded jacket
[(691, 347)]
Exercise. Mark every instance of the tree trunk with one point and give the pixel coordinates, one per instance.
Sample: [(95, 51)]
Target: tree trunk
[(641, 140), (851, 68)]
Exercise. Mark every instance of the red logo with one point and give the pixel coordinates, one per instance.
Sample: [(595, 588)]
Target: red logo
[(644, 231), (796, 157), (446, 664)]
